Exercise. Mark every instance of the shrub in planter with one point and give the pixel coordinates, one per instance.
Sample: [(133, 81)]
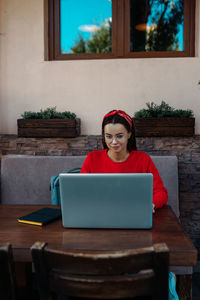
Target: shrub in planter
[(164, 120), (48, 123)]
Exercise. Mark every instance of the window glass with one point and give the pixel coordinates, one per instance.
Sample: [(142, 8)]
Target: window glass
[(85, 26), (156, 25)]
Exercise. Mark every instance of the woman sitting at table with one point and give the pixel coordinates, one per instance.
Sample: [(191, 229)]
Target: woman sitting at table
[(120, 154)]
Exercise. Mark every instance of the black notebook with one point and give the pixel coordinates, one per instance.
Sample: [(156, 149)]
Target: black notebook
[(41, 217)]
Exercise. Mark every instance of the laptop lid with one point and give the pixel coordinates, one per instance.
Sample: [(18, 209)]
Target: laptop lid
[(106, 200)]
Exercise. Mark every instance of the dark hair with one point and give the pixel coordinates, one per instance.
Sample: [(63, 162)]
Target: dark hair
[(114, 119)]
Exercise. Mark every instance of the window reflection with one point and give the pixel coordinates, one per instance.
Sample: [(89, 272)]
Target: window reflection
[(86, 26), (156, 25)]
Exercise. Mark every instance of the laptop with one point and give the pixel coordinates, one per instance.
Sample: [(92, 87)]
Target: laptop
[(107, 200)]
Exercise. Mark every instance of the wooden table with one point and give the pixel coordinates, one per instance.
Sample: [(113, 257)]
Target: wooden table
[(166, 228)]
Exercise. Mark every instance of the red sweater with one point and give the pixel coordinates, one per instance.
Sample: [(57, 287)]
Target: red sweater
[(137, 162)]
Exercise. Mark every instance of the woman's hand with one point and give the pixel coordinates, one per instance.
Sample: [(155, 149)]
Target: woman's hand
[(153, 208)]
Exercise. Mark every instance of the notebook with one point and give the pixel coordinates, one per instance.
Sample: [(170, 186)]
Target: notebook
[(106, 200), (41, 217)]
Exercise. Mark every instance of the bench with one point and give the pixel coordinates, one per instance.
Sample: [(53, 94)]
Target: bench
[(26, 179)]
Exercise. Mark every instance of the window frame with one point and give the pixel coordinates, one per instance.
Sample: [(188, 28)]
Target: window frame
[(120, 34)]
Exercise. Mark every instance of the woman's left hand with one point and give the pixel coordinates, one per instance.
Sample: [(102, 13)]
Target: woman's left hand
[(153, 208)]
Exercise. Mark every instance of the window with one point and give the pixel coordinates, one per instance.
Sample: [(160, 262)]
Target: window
[(92, 29)]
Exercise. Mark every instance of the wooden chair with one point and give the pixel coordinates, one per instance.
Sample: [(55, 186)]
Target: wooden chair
[(7, 273), (102, 275)]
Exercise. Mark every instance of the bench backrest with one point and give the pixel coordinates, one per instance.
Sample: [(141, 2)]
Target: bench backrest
[(26, 179)]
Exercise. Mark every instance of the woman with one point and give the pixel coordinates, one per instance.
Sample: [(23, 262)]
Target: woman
[(121, 156)]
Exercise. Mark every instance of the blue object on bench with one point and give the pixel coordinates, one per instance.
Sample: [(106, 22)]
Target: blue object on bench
[(172, 287), (55, 186)]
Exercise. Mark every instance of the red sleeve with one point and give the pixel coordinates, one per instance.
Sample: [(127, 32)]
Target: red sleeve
[(160, 194), (86, 165)]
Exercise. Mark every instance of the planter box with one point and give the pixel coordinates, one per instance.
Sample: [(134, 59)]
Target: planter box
[(164, 126), (48, 128)]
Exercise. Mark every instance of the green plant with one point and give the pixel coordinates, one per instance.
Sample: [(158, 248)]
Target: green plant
[(162, 111), (48, 113)]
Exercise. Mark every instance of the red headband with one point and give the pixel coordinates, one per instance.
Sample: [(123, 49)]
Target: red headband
[(119, 113)]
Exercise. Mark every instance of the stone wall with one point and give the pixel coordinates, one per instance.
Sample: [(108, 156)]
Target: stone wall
[(186, 149)]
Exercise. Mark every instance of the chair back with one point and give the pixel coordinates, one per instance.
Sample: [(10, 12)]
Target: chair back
[(7, 274), (97, 275)]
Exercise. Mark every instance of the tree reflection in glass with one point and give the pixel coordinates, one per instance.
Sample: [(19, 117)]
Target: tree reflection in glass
[(86, 26), (156, 25)]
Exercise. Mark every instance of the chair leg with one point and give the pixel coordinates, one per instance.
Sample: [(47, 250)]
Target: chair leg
[(184, 287)]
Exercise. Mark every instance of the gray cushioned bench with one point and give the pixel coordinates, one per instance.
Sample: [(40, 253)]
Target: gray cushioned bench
[(26, 179)]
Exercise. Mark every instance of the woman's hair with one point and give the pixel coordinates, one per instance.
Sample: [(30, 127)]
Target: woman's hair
[(114, 119)]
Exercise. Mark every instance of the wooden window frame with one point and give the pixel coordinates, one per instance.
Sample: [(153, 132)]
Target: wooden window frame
[(120, 34)]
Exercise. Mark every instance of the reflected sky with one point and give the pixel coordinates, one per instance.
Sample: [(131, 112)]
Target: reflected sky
[(81, 17), (84, 17)]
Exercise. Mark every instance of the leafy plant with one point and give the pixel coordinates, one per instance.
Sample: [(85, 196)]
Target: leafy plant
[(48, 113), (162, 111)]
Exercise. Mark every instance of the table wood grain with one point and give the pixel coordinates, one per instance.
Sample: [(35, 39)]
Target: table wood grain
[(166, 228)]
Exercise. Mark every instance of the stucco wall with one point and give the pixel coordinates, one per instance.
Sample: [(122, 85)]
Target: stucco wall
[(89, 88)]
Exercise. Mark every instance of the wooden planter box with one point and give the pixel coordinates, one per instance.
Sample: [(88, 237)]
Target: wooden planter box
[(164, 126), (48, 128)]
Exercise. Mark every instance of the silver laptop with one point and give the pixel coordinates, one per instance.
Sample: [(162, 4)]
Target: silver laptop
[(106, 200)]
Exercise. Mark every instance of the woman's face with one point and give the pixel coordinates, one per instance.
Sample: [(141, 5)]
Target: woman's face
[(116, 137)]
